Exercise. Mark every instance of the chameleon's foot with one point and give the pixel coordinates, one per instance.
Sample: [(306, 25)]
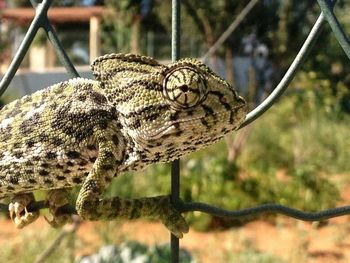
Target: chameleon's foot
[(57, 199), (18, 210), (171, 218)]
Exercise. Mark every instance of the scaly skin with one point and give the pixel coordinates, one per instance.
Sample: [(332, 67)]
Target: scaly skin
[(85, 132)]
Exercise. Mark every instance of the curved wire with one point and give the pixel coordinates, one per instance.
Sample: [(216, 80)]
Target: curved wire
[(265, 208), (288, 77), (335, 25), (326, 14)]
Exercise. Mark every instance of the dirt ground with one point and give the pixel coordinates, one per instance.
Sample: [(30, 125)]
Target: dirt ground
[(288, 239)]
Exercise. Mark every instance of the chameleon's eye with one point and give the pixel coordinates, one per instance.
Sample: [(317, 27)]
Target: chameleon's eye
[(184, 87)]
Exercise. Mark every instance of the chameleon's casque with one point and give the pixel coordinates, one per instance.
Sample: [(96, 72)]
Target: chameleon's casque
[(84, 132)]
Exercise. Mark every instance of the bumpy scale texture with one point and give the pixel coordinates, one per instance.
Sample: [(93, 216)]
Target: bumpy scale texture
[(85, 132)]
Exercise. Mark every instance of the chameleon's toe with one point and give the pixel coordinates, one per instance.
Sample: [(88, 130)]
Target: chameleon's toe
[(176, 224), (59, 220), (18, 210), (57, 199), (173, 219)]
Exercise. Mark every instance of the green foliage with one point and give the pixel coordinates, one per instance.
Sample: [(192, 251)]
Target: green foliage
[(40, 38), (308, 129), (19, 3), (126, 26), (4, 45)]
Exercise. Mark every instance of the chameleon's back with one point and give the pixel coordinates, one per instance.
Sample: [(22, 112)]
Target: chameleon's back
[(34, 153)]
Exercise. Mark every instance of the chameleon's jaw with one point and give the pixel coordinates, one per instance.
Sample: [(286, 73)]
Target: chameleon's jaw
[(186, 136), (200, 126)]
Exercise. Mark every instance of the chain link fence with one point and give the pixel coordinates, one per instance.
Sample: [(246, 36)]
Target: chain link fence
[(327, 15)]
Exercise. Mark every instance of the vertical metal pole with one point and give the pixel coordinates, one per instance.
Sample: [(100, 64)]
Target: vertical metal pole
[(175, 166), (175, 194), (175, 30)]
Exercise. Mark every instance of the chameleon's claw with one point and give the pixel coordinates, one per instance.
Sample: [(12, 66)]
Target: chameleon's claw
[(58, 220), (57, 199), (18, 210)]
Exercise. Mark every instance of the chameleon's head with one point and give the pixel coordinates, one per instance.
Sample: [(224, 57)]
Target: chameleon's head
[(175, 109)]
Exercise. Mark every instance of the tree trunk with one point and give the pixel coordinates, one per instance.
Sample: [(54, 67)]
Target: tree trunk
[(229, 66), (135, 35), (209, 36), (234, 143)]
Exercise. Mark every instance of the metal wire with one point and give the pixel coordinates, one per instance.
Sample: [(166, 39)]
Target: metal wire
[(327, 10), (41, 21), (292, 70), (175, 166), (288, 77), (61, 53), (265, 208), (41, 11)]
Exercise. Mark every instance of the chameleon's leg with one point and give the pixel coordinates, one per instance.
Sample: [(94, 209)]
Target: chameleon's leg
[(56, 199), (90, 206), (18, 210)]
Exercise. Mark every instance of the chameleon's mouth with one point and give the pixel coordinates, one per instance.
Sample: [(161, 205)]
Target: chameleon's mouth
[(172, 128)]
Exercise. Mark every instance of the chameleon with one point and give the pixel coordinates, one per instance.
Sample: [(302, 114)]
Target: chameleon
[(84, 132)]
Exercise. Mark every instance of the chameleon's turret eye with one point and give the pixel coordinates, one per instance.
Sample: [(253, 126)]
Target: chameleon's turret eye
[(184, 87)]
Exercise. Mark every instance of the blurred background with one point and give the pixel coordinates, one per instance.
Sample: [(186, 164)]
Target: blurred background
[(297, 154)]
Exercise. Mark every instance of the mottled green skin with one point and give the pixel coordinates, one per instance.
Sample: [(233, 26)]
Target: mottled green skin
[(136, 112)]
